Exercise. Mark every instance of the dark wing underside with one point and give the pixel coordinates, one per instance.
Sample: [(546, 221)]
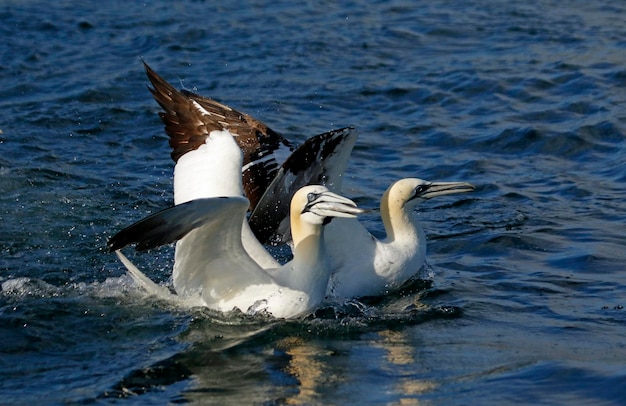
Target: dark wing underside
[(321, 160), (172, 224)]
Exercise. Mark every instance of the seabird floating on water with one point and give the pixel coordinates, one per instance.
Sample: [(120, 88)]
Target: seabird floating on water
[(272, 168), (362, 265), (212, 266), (365, 266)]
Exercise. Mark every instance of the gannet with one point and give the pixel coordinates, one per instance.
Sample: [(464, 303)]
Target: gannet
[(272, 169), (361, 264), (212, 265), (385, 265)]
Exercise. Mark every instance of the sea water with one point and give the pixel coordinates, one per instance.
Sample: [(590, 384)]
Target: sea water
[(521, 300)]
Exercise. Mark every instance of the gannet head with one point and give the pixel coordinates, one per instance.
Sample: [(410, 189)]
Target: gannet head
[(315, 204), (410, 191)]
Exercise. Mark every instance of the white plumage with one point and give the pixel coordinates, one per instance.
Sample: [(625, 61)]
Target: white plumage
[(209, 164), (365, 266), (212, 267), (212, 170)]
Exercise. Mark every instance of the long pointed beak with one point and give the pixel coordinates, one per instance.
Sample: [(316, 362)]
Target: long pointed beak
[(333, 205), (446, 188)]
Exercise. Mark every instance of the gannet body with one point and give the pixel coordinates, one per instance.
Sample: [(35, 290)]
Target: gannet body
[(362, 265), (365, 266), (212, 265)]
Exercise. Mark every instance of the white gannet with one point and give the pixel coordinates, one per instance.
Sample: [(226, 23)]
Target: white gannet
[(366, 266), (212, 265), (361, 264), (272, 169)]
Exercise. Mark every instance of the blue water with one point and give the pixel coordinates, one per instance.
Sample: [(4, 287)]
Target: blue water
[(522, 299)]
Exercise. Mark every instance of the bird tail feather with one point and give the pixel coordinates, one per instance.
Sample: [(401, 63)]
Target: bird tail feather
[(146, 283)]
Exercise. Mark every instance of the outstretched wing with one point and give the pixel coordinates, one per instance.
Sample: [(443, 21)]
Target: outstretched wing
[(210, 260), (189, 118), (172, 224), (320, 160)]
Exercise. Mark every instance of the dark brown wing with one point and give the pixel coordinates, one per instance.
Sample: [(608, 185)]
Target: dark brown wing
[(189, 118)]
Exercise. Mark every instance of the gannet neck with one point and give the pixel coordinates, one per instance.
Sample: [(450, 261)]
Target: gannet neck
[(309, 268), (401, 198), (307, 256), (398, 217), (303, 231), (311, 207)]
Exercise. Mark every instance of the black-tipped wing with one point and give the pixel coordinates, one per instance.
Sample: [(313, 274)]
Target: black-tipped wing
[(321, 160), (172, 224)]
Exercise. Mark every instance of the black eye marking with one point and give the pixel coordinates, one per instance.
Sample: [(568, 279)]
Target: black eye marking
[(311, 198), (419, 190)]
